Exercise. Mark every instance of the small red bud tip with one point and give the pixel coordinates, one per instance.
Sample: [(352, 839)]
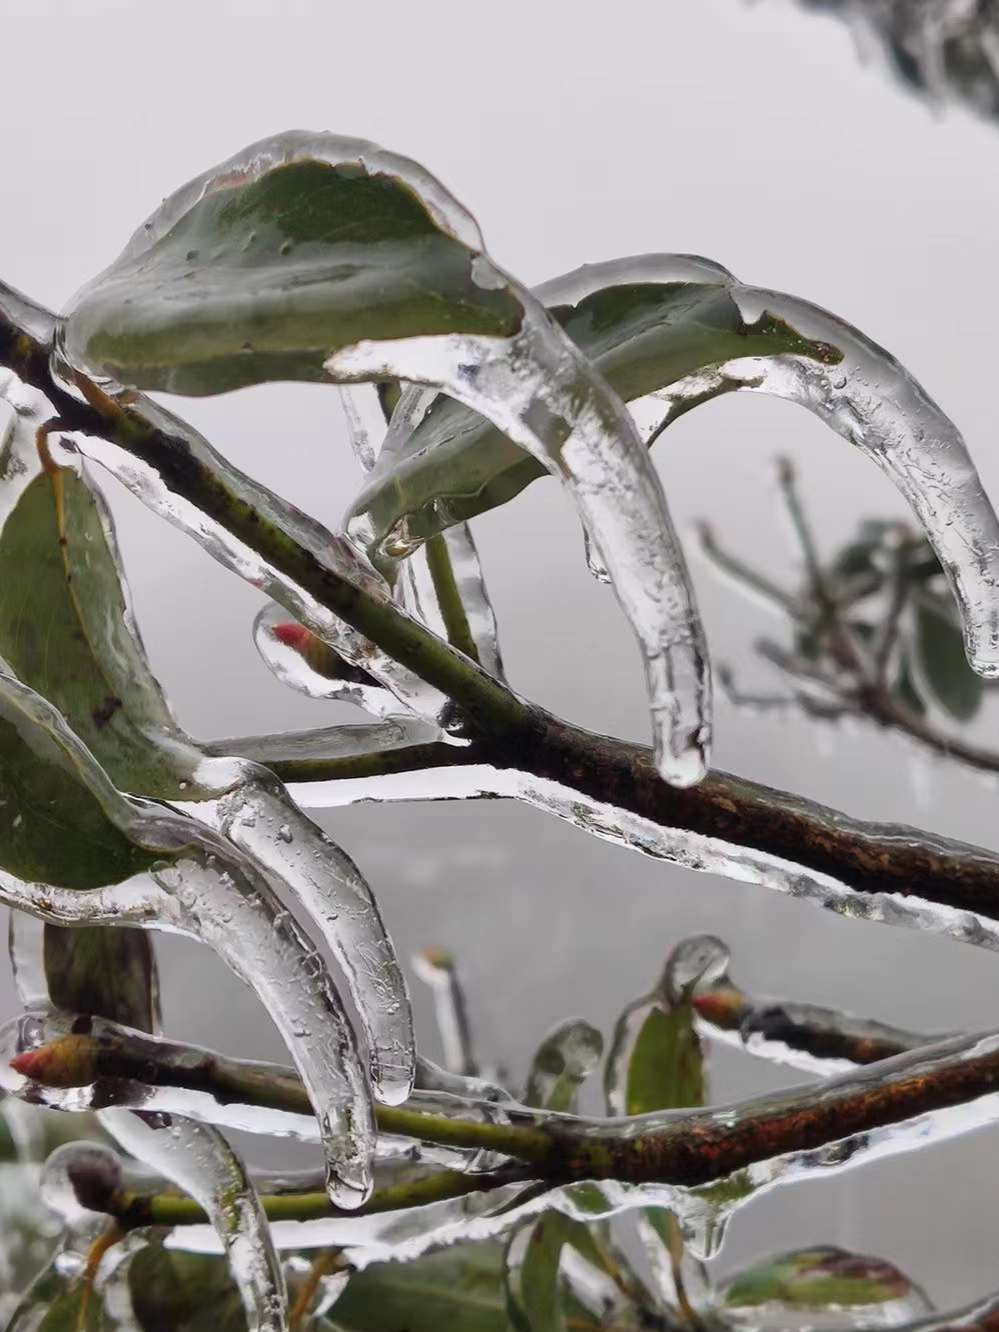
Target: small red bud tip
[(292, 635), (31, 1063)]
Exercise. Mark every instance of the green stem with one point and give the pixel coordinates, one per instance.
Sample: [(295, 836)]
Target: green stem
[(452, 608), (135, 1210)]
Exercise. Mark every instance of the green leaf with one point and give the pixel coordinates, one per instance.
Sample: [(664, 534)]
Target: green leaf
[(905, 688), (60, 821), (656, 1061), (824, 1277), (67, 632), (460, 1289), (109, 973), (642, 336), (940, 646), (173, 1291), (298, 248)]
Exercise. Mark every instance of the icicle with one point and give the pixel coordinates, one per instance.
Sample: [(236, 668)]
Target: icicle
[(540, 392), (417, 578), (478, 636), (872, 401), (259, 818), (199, 1161)]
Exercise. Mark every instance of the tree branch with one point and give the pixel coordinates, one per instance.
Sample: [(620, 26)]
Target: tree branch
[(685, 1149), (592, 780)]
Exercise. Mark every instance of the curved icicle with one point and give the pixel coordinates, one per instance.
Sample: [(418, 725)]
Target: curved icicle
[(541, 392), (211, 894), (260, 818), (870, 399), (194, 1156), (198, 1159)]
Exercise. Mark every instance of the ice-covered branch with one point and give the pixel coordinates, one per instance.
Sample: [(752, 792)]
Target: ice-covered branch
[(724, 825), (672, 1148)]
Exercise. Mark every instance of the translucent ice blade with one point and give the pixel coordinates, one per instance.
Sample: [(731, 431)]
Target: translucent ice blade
[(259, 817), (200, 1161), (301, 660), (438, 969)]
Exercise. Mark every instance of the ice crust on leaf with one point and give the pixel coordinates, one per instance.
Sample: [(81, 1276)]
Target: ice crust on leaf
[(200, 302)]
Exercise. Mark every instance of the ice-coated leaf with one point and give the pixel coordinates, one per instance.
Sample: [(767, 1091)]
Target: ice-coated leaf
[(198, 1159), (655, 1060), (300, 659), (66, 629), (57, 808), (562, 1063), (941, 658), (831, 1287), (504, 357), (59, 1303), (110, 973), (644, 323), (297, 248)]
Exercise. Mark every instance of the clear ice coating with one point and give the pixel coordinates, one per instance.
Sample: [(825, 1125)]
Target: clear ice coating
[(305, 663), (563, 1061), (199, 1160), (527, 377)]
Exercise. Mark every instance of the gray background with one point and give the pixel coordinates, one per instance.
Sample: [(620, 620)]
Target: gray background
[(749, 133)]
